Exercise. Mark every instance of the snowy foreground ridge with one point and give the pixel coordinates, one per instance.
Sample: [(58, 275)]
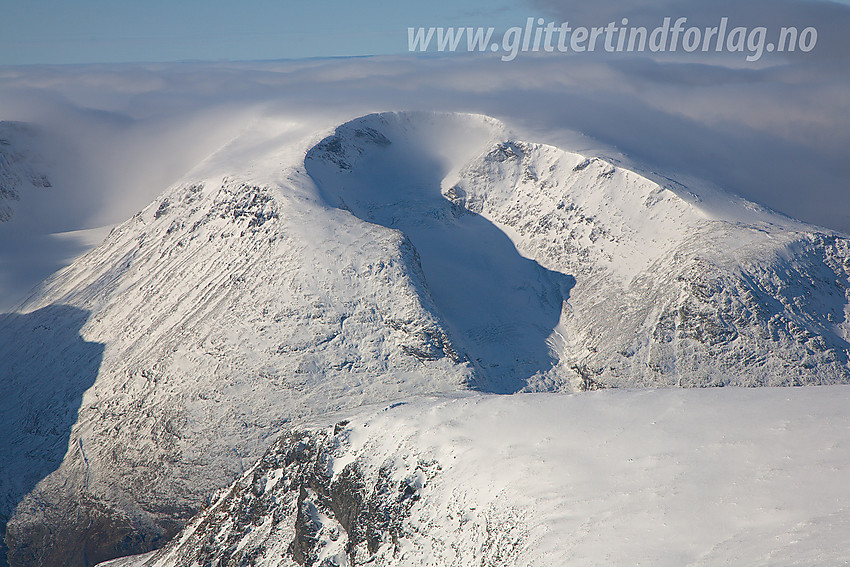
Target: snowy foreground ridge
[(668, 477), (397, 256)]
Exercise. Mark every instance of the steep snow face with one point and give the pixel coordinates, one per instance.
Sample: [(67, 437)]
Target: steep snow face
[(603, 478), (499, 306), (574, 213)]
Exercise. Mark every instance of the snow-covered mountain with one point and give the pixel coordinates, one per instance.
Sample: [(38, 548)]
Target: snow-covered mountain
[(403, 254), (629, 283)]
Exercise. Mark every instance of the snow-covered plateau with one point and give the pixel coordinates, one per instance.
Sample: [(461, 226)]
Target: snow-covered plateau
[(414, 254)]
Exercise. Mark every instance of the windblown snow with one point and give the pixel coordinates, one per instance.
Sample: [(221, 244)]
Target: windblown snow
[(400, 255)]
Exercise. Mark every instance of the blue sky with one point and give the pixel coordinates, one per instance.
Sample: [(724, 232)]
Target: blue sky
[(106, 31), (91, 31)]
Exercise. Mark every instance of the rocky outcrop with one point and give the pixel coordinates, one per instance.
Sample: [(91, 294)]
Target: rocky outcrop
[(294, 504)]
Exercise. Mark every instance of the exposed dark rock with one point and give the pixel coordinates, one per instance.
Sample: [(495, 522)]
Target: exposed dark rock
[(292, 497)]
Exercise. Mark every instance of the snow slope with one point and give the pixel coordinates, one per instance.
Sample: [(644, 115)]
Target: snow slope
[(402, 254), (604, 478)]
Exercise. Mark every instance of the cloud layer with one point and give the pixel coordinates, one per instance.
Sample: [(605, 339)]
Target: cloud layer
[(776, 132)]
